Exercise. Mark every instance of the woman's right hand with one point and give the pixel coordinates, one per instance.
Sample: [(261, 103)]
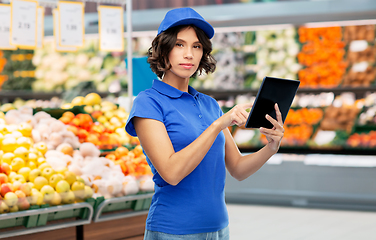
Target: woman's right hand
[(236, 116)]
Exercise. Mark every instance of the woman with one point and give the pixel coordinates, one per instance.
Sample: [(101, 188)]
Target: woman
[(185, 135)]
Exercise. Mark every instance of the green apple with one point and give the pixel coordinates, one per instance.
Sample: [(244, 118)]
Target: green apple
[(70, 177), (14, 208), (55, 178), (48, 172), (17, 163), (10, 199), (80, 179), (78, 189), (56, 200), (48, 193), (44, 165), (39, 182), (68, 197), (34, 173), (36, 197), (33, 157), (18, 178), (3, 207), (21, 152), (88, 192), (62, 186), (25, 171)]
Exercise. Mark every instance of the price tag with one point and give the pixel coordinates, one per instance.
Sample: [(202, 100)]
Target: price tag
[(111, 33), (5, 10), (55, 15), (40, 28), (24, 23), (71, 24)]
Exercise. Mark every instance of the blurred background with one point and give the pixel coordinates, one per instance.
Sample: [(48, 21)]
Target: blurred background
[(324, 169)]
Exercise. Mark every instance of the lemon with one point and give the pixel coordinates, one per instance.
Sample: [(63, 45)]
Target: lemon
[(66, 106), (79, 100), (92, 99)]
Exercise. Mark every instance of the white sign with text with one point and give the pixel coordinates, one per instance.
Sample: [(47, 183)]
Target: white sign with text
[(71, 24), (111, 33)]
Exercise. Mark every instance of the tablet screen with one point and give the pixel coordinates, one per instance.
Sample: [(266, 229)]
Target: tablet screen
[(272, 90)]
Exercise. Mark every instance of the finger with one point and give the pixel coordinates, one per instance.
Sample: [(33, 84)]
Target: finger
[(276, 124), (271, 132), (246, 105), (279, 114)]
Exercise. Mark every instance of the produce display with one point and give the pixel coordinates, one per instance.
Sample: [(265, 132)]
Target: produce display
[(322, 55), (44, 160)]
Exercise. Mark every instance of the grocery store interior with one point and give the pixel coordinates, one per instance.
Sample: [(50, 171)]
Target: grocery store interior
[(69, 170)]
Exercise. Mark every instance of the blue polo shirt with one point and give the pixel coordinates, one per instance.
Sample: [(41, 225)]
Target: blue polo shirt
[(197, 203)]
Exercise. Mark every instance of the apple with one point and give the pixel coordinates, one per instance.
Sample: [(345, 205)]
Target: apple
[(25, 171), (14, 208), (31, 184), (54, 179), (34, 173), (16, 186), (20, 194), (41, 147), (40, 160), (62, 186), (78, 189), (5, 188), (17, 163), (26, 188), (21, 152), (18, 178), (31, 165), (88, 192), (68, 197), (33, 157), (23, 204), (3, 207), (12, 174), (70, 177), (7, 157), (48, 172), (3, 178), (56, 200), (80, 179), (10, 199), (44, 165), (48, 193), (39, 182), (36, 198), (5, 168)]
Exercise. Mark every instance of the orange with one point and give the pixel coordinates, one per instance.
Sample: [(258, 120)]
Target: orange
[(68, 114), (111, 156), (121, 151)]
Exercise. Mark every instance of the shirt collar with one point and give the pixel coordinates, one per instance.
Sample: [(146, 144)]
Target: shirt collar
[(170, 91)]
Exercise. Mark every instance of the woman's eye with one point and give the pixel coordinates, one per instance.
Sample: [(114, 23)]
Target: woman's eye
[(179, 44), (197, 46)]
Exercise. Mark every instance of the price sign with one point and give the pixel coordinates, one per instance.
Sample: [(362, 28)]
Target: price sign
[(111, 28), (24, 23), (40, 28), (71, 24), (58, 48), (5, 11)]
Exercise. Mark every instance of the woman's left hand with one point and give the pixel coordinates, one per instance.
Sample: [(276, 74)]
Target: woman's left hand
[(274, 135)]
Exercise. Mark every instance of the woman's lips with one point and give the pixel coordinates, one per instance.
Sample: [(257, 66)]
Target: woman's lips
[(186, 65)]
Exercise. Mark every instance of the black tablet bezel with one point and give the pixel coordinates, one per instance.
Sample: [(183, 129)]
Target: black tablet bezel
[(288, 83)]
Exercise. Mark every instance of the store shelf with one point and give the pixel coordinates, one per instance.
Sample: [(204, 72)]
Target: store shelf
[(122, 207), (43, 219), (295, 183), (223, 94)]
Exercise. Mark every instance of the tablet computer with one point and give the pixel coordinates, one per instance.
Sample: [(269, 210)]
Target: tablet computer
[(272, 90)]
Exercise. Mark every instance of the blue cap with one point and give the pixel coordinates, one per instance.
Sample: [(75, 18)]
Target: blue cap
[(185, 16)]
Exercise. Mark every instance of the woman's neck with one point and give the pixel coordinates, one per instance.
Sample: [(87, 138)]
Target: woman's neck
[(176, 81)]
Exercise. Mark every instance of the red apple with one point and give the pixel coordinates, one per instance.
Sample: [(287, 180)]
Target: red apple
[(5, 168), (3, 178), (23, 204), (26, 188), (5, 188)]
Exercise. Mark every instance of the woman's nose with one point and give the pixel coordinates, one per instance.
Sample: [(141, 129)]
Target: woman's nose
[(188, 54)]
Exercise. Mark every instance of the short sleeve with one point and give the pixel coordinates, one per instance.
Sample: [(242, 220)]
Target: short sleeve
[(144, 106)]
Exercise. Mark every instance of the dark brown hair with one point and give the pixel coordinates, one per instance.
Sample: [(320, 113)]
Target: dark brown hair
[(163, 44)]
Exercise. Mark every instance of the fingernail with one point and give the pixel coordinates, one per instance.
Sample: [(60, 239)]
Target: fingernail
[(266, 115)]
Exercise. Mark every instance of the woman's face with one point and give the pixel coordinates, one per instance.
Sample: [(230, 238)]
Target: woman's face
[(186, 55)]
